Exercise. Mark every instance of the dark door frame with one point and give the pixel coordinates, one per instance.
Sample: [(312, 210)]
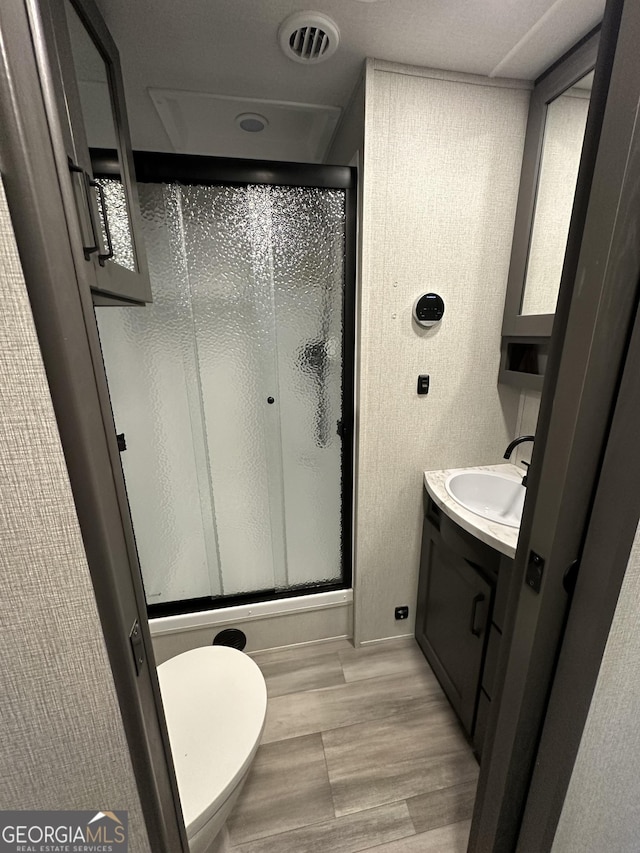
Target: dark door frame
[(610, 536), (616, 506), (199, 170), (590, 344)]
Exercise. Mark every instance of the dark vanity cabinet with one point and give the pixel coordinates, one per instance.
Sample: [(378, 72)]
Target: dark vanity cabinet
[(461, 598)]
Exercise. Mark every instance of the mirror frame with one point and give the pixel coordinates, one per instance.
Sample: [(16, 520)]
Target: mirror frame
[(563, 74)]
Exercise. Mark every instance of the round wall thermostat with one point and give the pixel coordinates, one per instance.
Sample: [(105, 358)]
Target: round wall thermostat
[(428, 309)]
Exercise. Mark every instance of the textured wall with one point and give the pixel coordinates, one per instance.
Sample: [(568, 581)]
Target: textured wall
[(63, 744), (601, 808), (441, 172)]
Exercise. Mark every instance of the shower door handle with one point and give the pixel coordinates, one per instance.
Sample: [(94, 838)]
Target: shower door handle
[(341, 428), (271, 400)]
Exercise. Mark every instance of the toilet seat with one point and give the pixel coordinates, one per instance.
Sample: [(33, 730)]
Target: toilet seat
[(215, 702)]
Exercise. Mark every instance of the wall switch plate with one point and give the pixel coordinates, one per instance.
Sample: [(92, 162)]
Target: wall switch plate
[(402, 612), (423, 383)]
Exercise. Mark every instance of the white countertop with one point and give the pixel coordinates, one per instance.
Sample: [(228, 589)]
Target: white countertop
[(499, 536)]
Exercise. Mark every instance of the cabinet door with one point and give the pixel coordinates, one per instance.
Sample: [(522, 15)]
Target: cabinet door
[(454, 613), (90, 94)]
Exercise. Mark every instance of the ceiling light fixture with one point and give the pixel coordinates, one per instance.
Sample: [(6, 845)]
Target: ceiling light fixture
[(252, 122)]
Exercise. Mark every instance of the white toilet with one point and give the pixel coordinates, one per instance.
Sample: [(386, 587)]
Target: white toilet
[(215, 702)]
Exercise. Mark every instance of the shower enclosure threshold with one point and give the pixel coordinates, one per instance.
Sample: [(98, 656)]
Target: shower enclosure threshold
[(260, 610)]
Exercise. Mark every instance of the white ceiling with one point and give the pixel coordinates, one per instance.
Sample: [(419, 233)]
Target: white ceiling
[(230, 47)]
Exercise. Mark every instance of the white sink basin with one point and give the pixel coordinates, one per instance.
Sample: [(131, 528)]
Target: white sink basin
[(495, 497)]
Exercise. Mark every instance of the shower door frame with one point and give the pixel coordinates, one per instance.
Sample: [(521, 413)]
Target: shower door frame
[(200, 170)]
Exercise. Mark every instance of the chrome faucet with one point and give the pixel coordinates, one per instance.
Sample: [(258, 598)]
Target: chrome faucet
[(511, 448)]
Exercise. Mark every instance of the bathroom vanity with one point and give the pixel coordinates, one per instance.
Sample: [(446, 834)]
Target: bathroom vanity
[(465, 569)]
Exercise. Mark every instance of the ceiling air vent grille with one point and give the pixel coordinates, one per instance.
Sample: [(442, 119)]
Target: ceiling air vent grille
[(309, 37)]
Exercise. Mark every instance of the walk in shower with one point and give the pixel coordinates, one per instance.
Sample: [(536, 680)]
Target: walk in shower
[(233, 389)]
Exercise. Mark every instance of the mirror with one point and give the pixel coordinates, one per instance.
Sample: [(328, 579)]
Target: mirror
[(100, 128), (564, 127), (556, 129)]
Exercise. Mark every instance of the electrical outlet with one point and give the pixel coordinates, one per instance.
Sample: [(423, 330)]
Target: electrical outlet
[(402, 612)]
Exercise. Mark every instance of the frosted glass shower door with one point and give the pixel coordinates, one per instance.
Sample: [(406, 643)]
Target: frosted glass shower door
[(227, 236), (308, 246), (229, 390), (266, 274), (153, 374)]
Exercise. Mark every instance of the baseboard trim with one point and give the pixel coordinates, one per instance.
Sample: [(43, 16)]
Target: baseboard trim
[(386, 639), (323, 642)]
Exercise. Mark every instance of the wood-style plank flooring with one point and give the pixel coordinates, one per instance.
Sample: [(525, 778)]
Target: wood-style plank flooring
[(361, 751)]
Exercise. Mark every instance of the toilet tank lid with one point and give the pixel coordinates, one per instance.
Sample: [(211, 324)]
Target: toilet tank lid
[(215, 702)]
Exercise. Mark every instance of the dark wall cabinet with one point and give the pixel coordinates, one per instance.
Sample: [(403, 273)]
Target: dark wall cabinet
[(461, 595), (80, 67), (532, 290)]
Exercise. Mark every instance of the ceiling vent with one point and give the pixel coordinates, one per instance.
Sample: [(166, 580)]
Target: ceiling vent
[(308, 37)]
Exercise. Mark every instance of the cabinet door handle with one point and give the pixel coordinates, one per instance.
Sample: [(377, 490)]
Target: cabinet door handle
[(477, 599), (80, 181), (103, 256)]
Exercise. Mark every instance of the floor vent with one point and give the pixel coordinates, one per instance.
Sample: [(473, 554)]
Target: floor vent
[(309, 37), (232, 637)]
